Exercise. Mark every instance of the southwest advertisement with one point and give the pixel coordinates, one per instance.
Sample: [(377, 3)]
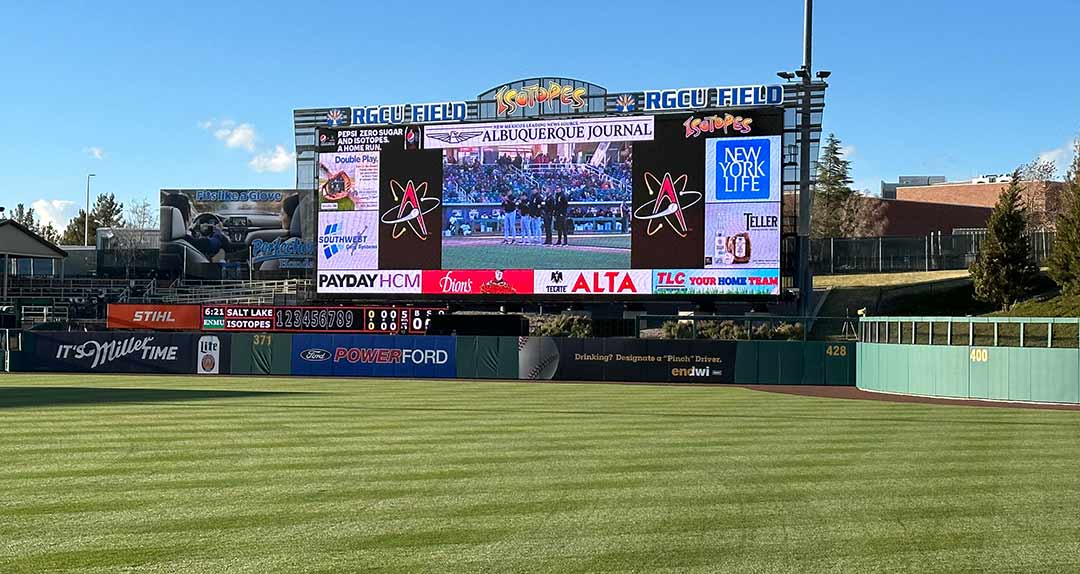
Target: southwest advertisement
[(235, 234), (559, 208)]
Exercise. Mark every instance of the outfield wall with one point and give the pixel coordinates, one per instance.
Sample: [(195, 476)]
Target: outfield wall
[(434, 357), (1006, 359)]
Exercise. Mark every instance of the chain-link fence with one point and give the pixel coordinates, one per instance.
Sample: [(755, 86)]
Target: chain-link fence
[(934, 252), (747, 328)]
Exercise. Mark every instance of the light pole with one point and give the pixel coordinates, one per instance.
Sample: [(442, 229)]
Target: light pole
[(803, 272), (86, 217)]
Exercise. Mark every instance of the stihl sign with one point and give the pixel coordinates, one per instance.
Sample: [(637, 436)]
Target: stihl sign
[(155, 317)]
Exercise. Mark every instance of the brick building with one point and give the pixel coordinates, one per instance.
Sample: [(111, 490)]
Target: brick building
[(1042, 198), (917, 218)]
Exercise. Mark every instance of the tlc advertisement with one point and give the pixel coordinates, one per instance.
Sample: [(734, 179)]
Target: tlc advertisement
[(127, 352), (235, 233), (712, 282), (374, 356)]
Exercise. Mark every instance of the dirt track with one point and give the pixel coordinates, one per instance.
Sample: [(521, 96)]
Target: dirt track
[(857, 394)]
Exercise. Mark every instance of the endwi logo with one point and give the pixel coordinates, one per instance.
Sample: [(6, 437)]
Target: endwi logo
[(670, 198), (412, 207)]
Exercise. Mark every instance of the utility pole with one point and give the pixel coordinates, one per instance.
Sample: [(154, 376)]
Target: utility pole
[(806, 276), (86, 219)]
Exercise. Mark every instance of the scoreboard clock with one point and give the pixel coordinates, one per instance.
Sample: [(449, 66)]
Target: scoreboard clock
[(372, 320)]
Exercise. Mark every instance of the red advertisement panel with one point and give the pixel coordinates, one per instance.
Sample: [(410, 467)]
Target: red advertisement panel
[(478, 282), (154, 317)]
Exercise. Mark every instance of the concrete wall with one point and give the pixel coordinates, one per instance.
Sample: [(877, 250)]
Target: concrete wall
[(997, 373)]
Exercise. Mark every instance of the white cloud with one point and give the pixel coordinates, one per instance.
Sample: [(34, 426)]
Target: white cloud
[(94, 152), (58, 212), (241, 136), (276, 161), (848, 151), (233, 135)]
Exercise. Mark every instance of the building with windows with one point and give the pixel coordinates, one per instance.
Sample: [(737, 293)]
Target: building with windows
[(888, 190)]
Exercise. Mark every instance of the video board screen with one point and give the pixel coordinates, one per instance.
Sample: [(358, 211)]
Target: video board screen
[(625, 205)]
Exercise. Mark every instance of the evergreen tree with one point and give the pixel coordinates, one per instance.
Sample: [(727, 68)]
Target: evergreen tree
[(1064, 262), (1003, 271), (833, 188), (107, 212), (50, 234), (73, 233), (25, 216)]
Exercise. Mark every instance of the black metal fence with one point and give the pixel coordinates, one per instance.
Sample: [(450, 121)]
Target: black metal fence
[(934, 252)]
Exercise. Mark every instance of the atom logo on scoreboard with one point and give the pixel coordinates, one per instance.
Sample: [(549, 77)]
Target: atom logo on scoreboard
[(670, 199)]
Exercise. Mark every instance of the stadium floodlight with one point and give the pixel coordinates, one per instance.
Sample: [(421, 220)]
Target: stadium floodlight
[(823, 74), (786, 75), (801, 72)]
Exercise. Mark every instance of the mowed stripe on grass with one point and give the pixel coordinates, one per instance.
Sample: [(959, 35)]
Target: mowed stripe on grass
[(185, 474)]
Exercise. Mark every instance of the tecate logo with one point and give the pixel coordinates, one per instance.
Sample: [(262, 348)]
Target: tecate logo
[(315, 355)]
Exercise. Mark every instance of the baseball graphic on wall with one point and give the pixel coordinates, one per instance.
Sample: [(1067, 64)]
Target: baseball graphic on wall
[(538, 358)]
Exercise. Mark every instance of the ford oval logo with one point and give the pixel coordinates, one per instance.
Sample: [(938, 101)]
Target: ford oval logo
[(315, 355)]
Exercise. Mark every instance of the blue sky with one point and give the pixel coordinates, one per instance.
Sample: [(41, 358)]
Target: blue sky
[(193, 94)]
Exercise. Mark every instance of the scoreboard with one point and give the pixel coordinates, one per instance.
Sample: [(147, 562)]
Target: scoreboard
[(366, 319)]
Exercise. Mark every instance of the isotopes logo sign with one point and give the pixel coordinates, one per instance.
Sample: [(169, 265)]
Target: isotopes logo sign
[(670, 198), (413, 204)]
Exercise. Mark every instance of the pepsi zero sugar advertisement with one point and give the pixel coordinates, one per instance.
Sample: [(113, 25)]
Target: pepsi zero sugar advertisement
[(128, 352), (374, 356), (645, 360)]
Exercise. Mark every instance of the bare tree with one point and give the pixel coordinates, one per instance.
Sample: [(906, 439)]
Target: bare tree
[(1040, 197), (137, 233), (860, 215)]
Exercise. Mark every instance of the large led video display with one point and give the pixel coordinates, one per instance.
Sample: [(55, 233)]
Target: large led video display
[(622, 205)]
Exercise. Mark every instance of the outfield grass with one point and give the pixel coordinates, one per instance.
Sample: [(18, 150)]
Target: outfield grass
[(887, 279), (157, 474)]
